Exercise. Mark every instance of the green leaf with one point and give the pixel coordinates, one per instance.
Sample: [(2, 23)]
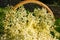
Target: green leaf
[(57, 23)]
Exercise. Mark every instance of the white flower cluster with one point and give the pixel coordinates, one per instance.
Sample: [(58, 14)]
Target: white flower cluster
[(23, 25)]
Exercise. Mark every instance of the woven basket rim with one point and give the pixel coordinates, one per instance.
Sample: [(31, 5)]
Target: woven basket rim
[(36, 2)]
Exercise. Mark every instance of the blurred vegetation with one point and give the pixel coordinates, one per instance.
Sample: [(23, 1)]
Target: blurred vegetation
[(57, 28), (2, 15), (51, 2), (57, 23)]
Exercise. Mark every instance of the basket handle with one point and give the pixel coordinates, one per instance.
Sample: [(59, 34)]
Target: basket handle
[(37, 2)]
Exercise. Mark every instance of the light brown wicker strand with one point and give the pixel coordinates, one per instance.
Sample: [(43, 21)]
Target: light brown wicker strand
[(36, 2)]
